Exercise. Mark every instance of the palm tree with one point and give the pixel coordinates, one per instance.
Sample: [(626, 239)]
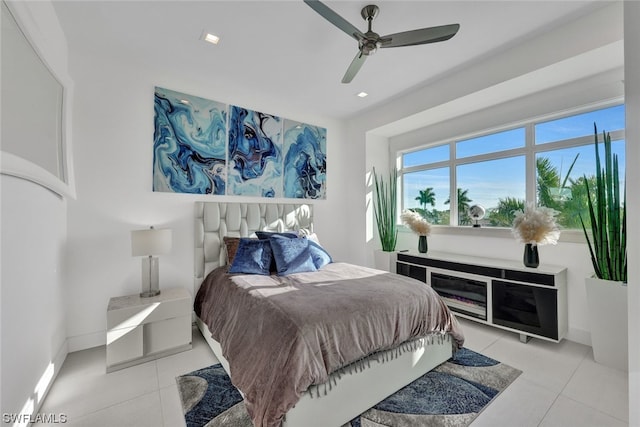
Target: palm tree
[(426, 197), (549, 180), (502, 216), (554, 193), (463, 207), (576, 206)]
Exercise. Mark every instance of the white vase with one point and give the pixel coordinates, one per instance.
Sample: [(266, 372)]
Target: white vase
[(385, 260), (607, 304)]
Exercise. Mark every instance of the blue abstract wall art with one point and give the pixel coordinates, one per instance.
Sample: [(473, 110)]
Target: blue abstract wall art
[(255, 153), (305, 161), (189, 144), (202, 146)]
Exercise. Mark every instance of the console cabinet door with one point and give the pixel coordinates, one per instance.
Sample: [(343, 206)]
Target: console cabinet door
[(530, 309)]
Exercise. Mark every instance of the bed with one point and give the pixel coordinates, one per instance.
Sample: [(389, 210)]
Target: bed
[(321, 388)]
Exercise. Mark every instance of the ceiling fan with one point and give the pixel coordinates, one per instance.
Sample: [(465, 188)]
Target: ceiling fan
[(370, 41)]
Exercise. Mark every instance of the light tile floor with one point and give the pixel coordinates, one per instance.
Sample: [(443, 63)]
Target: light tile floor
[(560, 386)]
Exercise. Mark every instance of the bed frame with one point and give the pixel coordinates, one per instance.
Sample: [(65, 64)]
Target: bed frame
[(350, 395)]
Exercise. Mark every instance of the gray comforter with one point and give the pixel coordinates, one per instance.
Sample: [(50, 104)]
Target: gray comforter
[(282, 334)]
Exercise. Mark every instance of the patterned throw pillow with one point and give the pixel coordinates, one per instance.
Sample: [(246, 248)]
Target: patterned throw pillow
[(319, 255), (231, 246), (252, 257), (291, 255)]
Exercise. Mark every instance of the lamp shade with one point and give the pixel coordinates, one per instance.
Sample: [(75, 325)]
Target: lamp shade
[(150, 242)]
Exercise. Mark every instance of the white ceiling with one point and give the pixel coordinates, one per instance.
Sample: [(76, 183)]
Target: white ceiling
[(286, 50)]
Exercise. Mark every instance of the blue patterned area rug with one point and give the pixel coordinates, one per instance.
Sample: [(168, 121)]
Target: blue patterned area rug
[(453, 394)]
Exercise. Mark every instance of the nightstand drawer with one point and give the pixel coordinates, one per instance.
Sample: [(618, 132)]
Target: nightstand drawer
[(167, 334), (124, 345), (147, 310)]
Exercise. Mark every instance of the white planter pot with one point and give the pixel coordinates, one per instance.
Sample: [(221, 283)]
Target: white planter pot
[(607, 304), (385, 260)]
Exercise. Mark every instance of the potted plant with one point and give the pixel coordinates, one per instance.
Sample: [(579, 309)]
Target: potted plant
[(419, 225), (385, 209), (535, 226), (607, 291)]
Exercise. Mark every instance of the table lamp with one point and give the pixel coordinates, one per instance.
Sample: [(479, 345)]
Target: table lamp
[(148, 243)]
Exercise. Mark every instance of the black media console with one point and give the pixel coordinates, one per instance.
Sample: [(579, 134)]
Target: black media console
[(505, 294)]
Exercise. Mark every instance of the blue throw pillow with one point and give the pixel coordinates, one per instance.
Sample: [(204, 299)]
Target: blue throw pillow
[(252, 257), (265, 235), (291, 255), (319, 256)]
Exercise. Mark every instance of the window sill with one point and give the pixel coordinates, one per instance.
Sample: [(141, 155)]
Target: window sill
[(566, 236)]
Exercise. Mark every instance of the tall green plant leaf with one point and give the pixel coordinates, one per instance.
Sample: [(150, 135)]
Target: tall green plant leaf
[(385, 209), (608, 214)]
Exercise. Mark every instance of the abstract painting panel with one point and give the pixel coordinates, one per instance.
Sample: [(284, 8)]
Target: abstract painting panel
[(305, 161), (255, 153), (189, 144)]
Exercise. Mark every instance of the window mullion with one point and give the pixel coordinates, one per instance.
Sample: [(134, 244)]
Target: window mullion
[(430, 166), (492, 156), (530, 162), (453, 186)]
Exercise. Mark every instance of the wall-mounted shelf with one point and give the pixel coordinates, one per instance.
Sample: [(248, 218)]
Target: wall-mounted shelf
[(501, 293)]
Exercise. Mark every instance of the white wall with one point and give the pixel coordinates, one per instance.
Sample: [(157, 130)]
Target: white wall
[(113, 136), (33, 227), (632, 100), (33, 294)]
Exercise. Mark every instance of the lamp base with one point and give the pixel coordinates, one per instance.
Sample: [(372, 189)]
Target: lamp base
[(149, 294), (150, 285)]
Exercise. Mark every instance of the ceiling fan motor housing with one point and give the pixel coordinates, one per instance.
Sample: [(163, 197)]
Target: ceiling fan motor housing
[(370, 43)]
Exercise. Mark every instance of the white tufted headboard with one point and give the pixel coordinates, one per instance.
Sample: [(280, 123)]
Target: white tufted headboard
[(214, 220)]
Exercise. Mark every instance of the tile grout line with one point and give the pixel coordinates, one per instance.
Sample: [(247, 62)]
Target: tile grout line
[(584, 358), (560, 393), (104, 408)]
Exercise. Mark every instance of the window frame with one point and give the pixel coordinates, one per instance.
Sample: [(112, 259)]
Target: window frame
[(529, 150)]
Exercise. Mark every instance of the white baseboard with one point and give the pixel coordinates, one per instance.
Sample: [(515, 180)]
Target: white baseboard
[(83, 342), (58, 361)]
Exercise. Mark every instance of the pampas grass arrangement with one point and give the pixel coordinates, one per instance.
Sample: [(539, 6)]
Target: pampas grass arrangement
[(536, 225), (416, 223)]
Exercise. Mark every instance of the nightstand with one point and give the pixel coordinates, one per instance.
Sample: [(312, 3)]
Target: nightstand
[(143, 329)]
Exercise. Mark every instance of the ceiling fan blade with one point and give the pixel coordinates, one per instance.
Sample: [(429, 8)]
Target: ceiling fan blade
[(335, 19), (421, 36), (355, 66)]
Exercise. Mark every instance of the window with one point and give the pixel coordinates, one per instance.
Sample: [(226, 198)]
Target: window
[(495, 184), (514, 138), (426, 156), (491, 170), (609, 119), (425, 192)]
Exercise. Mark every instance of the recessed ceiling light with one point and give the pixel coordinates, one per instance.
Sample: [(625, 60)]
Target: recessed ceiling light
[(362, 94), (208, 37)]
